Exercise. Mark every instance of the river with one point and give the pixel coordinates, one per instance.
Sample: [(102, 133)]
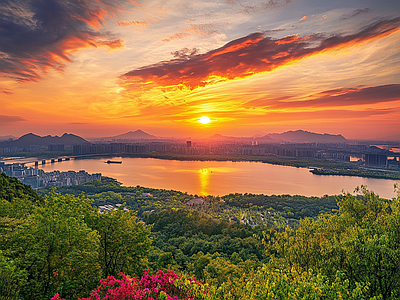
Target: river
[(223, 177)]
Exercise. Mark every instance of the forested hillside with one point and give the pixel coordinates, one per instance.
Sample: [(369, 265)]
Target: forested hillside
[(165, 246)]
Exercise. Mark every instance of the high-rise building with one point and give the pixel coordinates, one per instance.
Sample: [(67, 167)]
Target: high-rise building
[(376, 160)]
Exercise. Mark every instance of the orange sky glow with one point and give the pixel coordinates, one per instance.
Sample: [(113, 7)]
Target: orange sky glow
[(102, 68)]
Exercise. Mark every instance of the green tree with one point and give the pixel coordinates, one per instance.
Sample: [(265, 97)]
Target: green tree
[(362, 241), (124, 242), (57, 249), (11, 279), (11, 188)]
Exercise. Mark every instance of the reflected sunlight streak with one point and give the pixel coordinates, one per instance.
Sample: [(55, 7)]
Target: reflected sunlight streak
[(204, 177)]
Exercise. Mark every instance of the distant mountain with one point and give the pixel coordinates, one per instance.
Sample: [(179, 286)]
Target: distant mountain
[(233, 138), (133, 135), (7, 137), (33, 139), (390, 138), (301, 136), (221, 137)]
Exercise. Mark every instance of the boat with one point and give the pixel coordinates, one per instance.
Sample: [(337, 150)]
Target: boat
[(113, 162)]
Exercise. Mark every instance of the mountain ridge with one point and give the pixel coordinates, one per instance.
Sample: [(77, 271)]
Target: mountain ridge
[(132, 135), (34, 139), (302, 136), (297, 136)]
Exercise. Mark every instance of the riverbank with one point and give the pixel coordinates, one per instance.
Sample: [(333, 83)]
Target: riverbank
[(366, 173)]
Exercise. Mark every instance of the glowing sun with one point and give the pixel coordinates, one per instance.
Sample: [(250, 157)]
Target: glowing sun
[(204, 120)]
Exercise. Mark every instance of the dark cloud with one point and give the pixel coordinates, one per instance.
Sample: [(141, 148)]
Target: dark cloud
[(38, 35), (247, 56), (6, 120), (355, 13), (185, 53), (338, 97)]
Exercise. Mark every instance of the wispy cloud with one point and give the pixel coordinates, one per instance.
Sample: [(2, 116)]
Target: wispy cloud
[(244, 57), (195, 29), (135, 23), (259, 7), (6, 120), (40, 35), (355, 13), (7, 92), (315, 116), (336, 98)]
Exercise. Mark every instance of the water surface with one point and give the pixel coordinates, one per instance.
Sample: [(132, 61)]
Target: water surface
[(222, 177)]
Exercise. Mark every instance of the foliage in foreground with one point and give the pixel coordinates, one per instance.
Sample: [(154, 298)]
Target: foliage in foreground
[(62, 245), (65, 246), (263, 284), (12, 189), (354, 254), (362, 241), (163, 285)]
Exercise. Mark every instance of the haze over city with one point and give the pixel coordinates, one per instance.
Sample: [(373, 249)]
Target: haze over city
[(105, 67)]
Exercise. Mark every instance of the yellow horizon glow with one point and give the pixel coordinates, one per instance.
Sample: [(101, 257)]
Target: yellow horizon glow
[(204, 120)]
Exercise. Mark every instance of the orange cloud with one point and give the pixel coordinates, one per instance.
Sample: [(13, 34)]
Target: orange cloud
[(135, 3), (246, 56), (137, 23), (290, 39), (162, 9), (303, 18)]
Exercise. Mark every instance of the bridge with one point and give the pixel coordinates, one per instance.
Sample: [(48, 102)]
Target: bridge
[(45, 161)]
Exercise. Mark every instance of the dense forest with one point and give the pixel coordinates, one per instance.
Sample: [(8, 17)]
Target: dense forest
[(101, 240)]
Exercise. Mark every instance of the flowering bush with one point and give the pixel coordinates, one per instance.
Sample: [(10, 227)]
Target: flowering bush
[(160, 286)]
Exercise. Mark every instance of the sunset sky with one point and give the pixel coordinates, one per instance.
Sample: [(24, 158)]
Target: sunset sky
[(104, 67)]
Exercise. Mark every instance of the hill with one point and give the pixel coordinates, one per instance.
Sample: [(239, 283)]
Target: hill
[(33, 139), (220, 137), (7, 137), (390, 138), (133, 135), (298, 136), (301, 136), (11, 188)]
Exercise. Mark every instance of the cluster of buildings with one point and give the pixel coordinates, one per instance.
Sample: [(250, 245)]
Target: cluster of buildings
[(33, 148), (37, 178), (109, 207), (121, 148), (330, 151)]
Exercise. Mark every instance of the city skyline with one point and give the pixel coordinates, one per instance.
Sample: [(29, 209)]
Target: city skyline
[(102, 68)]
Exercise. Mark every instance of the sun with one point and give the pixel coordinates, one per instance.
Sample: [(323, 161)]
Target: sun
[(204, 120)]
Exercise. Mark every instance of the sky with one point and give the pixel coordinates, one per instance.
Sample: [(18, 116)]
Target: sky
[(104, 67)]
